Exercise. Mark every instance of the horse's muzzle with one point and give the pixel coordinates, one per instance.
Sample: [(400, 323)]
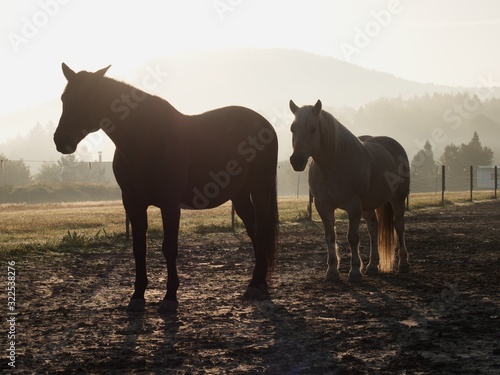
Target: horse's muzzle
[(298, 162), (63, 144)]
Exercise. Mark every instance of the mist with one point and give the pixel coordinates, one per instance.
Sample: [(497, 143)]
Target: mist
[(366, 101)]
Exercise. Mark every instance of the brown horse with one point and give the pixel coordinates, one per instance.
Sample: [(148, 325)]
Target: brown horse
[(365, 176), (172, 161)]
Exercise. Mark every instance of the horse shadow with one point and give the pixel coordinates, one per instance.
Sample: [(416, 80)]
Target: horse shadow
[(148, 342), (297, 348)]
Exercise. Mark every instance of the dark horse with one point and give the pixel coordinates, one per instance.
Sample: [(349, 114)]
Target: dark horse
[(170, 160)]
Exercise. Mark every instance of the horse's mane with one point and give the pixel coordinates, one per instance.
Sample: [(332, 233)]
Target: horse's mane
[(115, 87), (336, 136)]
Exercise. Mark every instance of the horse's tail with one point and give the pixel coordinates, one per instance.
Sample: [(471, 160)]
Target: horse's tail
[(273, 230), (386, 239)]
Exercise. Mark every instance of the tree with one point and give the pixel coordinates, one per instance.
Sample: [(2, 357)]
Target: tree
[(458, 158), (71, 169), (476, 153), (423, 163), (13, 172), (50, 173), (423, 170)]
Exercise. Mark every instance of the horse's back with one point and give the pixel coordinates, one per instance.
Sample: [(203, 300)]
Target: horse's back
[(390, 144), (230, 133), (391, 162), (230, 148)]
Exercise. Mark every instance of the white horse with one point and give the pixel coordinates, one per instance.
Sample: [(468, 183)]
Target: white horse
[(365, 176)]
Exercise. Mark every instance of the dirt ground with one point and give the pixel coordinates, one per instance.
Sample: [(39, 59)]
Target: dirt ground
[(442, 318)]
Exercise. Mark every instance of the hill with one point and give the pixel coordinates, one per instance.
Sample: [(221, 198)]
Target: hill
[(264, 80)]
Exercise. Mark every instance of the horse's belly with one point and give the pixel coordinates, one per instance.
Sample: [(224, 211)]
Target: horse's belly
[(213, 190)]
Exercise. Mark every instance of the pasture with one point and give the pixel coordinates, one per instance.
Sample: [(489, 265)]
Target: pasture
[(75, 273)]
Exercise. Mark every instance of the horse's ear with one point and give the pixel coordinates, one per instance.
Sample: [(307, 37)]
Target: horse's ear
[(293, 107), (317, 108), (68, 73), (102, 71)]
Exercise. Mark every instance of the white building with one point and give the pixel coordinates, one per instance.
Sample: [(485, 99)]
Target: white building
[(485, 177)]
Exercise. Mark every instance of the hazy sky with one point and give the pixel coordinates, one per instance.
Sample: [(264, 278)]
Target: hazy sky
[(453, 42)]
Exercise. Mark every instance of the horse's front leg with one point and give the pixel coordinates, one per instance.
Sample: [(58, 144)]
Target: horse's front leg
[(327, 214), (139, 221), (171, 219), (353, 238)]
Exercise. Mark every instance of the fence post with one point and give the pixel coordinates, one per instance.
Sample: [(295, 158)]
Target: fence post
[(496, 180), (443, 179), (471, 181)]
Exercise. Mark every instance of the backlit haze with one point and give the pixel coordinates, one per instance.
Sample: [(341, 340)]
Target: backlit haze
[(165, 47)]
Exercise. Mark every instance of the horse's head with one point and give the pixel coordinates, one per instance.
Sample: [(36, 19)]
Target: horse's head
[(82, 108), (305, 134)]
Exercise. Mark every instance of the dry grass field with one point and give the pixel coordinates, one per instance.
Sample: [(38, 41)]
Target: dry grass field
[(24, 226)]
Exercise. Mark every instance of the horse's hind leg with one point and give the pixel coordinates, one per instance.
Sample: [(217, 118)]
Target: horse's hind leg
[(327, 214), (171, 218), (139, 220), (399, 225), (245, 210), (372, 224), (264, 240)]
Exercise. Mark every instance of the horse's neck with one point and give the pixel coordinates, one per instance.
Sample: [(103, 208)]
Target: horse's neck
[(338, 147), (136, 116)]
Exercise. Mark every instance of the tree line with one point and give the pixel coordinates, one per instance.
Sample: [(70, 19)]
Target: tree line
[(410, 121), (67, 170), (456, 158)]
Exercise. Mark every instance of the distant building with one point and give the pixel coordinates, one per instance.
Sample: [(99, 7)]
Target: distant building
[(485, 177)]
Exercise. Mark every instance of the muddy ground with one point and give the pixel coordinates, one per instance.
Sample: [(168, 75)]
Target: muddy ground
[(442, 318)]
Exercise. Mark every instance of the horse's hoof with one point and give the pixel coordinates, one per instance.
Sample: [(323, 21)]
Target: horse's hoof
[(332, 277), (371, 270), (355, 277), (136, 305), (404, 268), (168, 306), (254, 293)]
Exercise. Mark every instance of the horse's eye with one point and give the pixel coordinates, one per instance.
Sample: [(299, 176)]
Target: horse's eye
[(313, 130), (293, 127)]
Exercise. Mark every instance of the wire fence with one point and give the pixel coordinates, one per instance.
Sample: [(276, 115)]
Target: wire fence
[(36, 181)]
